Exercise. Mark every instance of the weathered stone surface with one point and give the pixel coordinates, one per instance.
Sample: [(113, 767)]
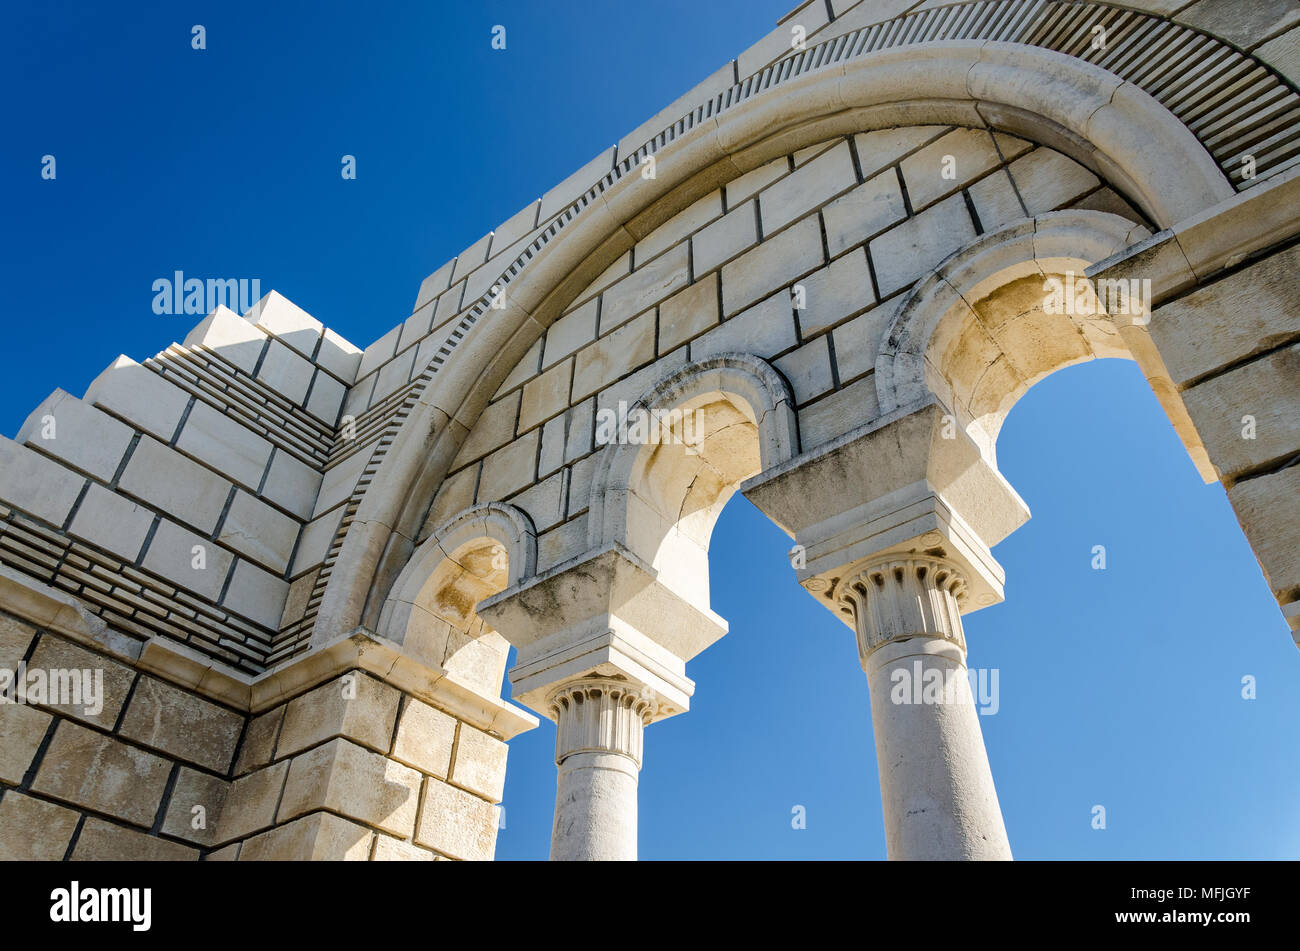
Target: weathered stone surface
[(35, 484), (643, 288), (425, 738), (196, 806), (251, 802), (480, 763), (456, 823), (947, 164), (253, 528), (575, 329), (546, 395), (1247, 417), (614, 355), (15, 638), (908, 251), (835, 292), (22, 728), (81, 435), (356, 706), (509, 469), (102, 773), (388, 849), (864, 212), (182, 724), (33, 830), (688, 313), (1266, 507), (188, 560), (363, 785), (54, 653), (259, 741), (104, 841), (777, 261), (725, 238), (320, 837), (112, 522)]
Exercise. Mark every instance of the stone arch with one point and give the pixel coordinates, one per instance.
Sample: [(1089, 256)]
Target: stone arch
[(430, 610), (721, 420), (1108, 124), (977, 334)]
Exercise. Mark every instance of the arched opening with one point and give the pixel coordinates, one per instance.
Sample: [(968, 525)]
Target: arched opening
[(431, 612)]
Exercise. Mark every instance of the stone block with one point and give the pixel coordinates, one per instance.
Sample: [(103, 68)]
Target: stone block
[(752, 182), (259, 741), (355, 706), (546, 395), (187, 560), (1267, 390), (836, 414), (320, 837), (326, 398), (33, 830), (256, 594), (679, 227), (102, 841), (358, 783), (15, 638), (808, 369), (864, 212), (388, 849), (109, 521), (913, 248), (280, 316), (234, 339), (835, 292), (339, 356), (494, 428), (425, 738), (54, 653), (776, 262), (575, 329), (721, 241), (544, 502), (102, 773), (1047, 180), (292, 484), (256, 530), (251, 802), (456, 823), (1229, 320), (379, 352), (881, 149), (995, 200), (527, 367), (1241, 24), (857, 343), (1266, 507), (480, 763), (84, 437), (807, 188), (317, 537), (196, 807), (765, 329), (182, 724), (140, 396), (22, 728), (285, 372), (175, 485), (614, 356), (455, 495), (951, 162), (225, 444), (688, 313), (35, 484), (643, 288), (509, 469)]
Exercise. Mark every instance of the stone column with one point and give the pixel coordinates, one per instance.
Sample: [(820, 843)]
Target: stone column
[(599, 729), (602, 646), (936, 788)]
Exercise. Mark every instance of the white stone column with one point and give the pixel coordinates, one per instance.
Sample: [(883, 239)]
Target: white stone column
[(599, 729), (936, 788)]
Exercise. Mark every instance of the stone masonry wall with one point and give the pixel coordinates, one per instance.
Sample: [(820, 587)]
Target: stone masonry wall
[(351, 769), (854, 221)]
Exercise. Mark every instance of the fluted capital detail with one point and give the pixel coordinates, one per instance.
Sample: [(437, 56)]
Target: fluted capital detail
[(596, 715), (898, 597)]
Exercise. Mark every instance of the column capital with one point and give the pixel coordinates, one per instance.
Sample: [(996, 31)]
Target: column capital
[(607, 615), (910, 483), (896, 597), (601, 715)]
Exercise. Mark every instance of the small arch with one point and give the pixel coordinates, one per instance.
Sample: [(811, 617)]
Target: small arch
[(977, 334), (431, 610), (728, 417)]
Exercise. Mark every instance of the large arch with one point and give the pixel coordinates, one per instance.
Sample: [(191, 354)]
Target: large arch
[(1112, 126)]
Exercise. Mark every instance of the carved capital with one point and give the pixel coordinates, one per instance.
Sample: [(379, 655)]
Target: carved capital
[(897, 597), (597, 715)]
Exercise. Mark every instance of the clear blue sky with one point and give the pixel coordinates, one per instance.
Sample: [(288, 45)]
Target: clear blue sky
[(1119, 687)]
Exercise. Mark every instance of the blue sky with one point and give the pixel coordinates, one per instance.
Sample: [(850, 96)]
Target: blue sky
[(1119, 688)]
